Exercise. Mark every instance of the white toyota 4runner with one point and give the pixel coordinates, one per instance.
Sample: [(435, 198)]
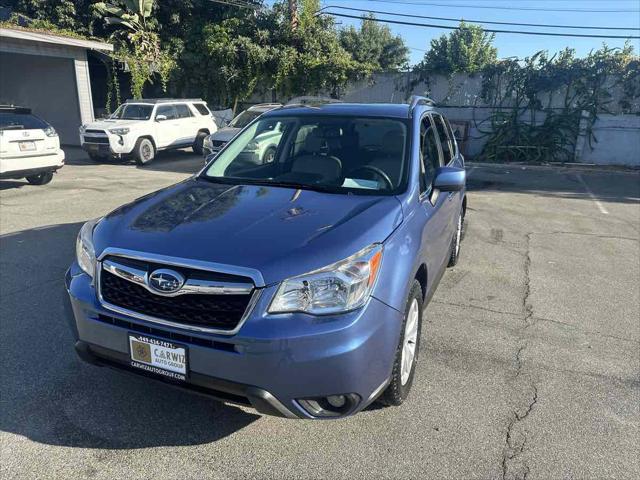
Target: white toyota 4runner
[(141, 128)]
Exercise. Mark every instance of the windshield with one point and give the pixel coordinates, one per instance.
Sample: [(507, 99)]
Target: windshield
[(21, 121), (244, 119), (340, 154), (133, 111)]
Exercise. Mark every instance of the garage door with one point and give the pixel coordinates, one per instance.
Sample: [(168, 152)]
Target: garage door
[(45, 84)]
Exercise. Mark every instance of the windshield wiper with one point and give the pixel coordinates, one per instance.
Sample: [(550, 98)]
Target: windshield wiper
[(270, 183)]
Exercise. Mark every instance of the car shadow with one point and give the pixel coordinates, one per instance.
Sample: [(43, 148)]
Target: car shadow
[(50, 396)]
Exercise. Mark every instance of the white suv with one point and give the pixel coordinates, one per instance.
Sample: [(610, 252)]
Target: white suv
[(29, 146), (143, 127)]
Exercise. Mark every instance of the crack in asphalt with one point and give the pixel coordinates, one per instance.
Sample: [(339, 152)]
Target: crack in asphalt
[(514, 445)]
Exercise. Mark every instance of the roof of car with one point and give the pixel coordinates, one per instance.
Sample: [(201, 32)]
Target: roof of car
[(264, 107), (395, 110), (163, 100)]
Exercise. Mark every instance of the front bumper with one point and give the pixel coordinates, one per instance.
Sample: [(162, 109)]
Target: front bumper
[(108, 144), (270, 363), (20, 167)]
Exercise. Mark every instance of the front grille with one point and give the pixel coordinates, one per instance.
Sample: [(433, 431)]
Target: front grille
[(218, 143), (220, 312), (104, 140), (101, 132)]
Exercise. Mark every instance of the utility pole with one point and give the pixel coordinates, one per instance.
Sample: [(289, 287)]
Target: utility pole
[(293, 13)]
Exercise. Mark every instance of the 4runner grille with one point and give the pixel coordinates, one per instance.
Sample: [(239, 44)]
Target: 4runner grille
[(204, 311)]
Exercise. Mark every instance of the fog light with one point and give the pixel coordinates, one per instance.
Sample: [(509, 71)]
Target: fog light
[(337, 401), (331, 405)]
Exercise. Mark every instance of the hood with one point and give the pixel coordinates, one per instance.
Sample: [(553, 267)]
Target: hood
[(111, 123), (225, 134), (281, 232)]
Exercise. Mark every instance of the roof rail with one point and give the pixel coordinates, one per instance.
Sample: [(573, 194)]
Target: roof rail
[(416, 100), (266, 105)]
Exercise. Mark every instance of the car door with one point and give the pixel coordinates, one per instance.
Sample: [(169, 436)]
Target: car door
[(436, 235), (187, 124), (166, 121)]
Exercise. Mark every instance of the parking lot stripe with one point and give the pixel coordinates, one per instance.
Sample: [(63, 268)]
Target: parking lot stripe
[(593, 197)]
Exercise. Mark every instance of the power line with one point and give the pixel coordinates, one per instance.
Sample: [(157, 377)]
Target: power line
[(478, 21), (235, 3), (489, 30), (404, 2)]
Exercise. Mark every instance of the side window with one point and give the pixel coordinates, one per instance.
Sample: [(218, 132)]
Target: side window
[(452, 137), (429, 153), (168, 111), (202, 108), (445, 141), (183, 111)]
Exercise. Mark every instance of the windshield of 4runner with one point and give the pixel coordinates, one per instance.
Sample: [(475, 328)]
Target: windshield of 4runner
[(133, 111), (340, 154)]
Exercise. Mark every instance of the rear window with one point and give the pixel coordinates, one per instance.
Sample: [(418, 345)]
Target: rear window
[(202, 108), (21, 121)]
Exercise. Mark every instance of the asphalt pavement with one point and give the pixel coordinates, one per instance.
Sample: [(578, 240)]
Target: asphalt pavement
[(529, 365)]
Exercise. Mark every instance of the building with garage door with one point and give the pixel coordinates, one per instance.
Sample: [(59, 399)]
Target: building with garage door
[(49, 74)]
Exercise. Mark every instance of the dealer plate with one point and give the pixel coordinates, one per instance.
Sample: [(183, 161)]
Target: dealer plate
[(27, 146), (158, 356)]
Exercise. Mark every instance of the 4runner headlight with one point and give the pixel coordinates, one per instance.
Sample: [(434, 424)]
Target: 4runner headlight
[(119, 131), (82, 128), (85, 254), (340, 287)]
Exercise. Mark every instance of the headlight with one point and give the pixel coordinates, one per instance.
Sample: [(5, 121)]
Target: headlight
[(252, 146), (340, 287), (119, 131), (207, 142), (85, 254), (82, 128), (50, 131)]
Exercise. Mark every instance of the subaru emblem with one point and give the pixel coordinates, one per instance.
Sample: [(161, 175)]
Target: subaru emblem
[(165, 281)]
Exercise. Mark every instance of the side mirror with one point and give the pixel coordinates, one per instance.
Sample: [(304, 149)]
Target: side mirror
[(450, 179), (161, 118)]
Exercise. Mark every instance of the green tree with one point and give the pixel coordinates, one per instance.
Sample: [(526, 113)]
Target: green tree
[(138, 46), (373, 43), (468, 49)]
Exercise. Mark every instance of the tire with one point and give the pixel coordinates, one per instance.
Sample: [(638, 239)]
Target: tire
[(269, 155), (40, 179), (456, 241), (198, 142), (402, 378), (144, 151)]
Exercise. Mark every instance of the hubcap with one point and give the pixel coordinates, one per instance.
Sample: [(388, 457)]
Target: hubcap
[(409, 344), (146, 151), (458, 233)]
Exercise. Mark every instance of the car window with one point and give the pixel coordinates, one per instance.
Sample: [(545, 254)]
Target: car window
[(452, 137), (343, 154), (202, 108), (183, 111), (429, 153), (133, 111), (21, 121), (445, 140), (168, 111)]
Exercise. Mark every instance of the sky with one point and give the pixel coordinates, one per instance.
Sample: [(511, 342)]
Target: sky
[(509, 45)]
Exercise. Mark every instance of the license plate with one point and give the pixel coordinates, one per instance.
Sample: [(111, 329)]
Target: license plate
[(158, 356), (27, 146), (94, 148)]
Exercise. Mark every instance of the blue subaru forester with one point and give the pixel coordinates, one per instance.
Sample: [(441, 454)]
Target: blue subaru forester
[(293, 283)]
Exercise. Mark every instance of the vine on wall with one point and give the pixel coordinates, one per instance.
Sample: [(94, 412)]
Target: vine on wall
[(538, 103)]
